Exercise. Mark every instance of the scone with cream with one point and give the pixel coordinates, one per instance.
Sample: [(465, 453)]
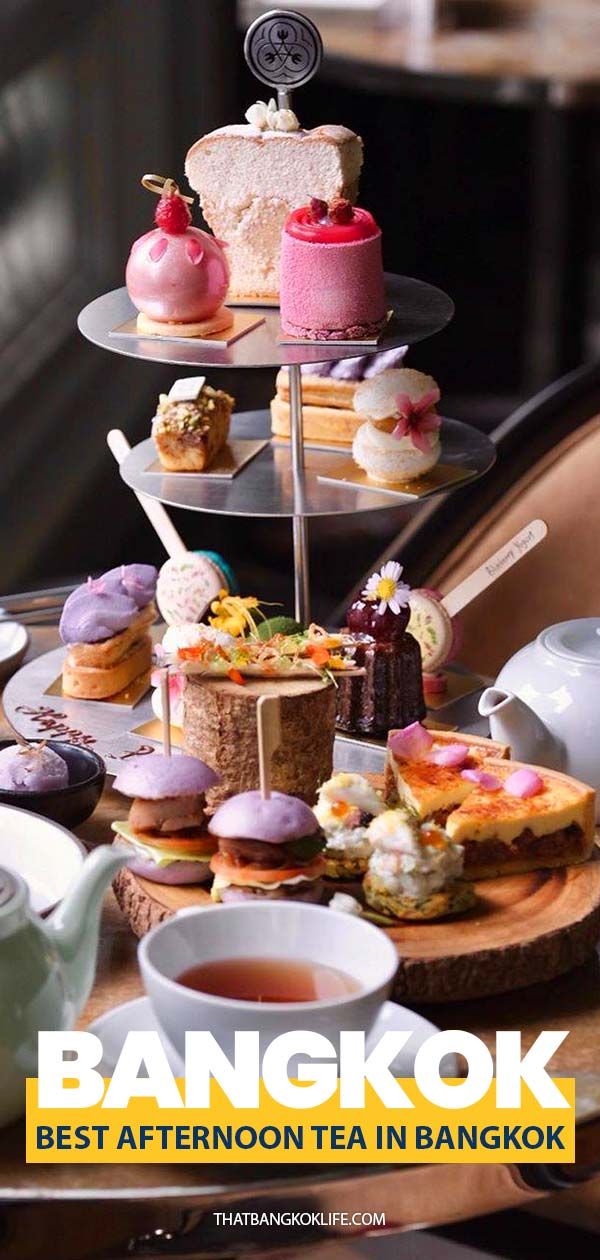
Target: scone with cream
[(400, 439), (250, 177), (346, 805), (415, 871)]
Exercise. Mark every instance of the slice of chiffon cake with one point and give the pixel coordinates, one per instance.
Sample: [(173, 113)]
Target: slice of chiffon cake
[(249, 179)]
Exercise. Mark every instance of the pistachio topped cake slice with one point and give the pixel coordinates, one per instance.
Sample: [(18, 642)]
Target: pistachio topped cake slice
[(189, 432)]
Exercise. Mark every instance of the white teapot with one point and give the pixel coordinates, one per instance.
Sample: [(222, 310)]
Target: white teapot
[(546, 700), (46, 968)]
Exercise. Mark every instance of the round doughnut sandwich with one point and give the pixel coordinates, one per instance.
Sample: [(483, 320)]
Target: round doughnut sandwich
[(267, 848), (166, 832)]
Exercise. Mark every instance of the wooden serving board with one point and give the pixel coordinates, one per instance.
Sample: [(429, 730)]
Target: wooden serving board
[(524, 929)]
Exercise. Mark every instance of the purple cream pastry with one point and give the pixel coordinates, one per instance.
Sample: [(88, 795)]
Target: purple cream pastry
[(136, 580), (104, 606), (93, 613), (165, 834), (267, 848), (32, 768)]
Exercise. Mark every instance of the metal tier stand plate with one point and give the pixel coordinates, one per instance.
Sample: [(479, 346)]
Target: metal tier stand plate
[(291, 489), (265, 487)]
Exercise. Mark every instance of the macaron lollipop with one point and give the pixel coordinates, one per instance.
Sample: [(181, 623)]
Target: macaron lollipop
[(188, 584), (437, 633), (177, 276)]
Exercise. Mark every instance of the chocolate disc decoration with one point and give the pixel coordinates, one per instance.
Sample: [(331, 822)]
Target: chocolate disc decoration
[(283, 49)]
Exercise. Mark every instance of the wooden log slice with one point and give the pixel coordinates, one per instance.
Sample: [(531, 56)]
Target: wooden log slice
[(220, 728), (524, 929)]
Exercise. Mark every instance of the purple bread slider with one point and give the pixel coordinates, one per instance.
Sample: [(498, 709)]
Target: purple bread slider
[(267, 848), (166, 833)]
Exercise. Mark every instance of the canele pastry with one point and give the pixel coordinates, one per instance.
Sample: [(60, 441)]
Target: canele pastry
[(267, 848), (328, 391), (105, 626), (166, 834), (392, 681), (508, 817), (346, 805), (400, 439), (249, 177), (189, 432), (415, 869), (331, 273), (177, 276)]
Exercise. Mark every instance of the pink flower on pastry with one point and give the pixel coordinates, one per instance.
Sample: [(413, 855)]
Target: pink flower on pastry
[(418, 420)]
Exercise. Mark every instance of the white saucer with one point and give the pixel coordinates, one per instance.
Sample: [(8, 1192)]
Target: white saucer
[(138, 1016), (14, 641)]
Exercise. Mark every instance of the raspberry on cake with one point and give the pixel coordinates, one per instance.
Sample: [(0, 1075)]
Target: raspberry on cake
[(332, 286), (249, 177)]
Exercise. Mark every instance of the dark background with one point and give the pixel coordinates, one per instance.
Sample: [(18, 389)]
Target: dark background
[(494, 202)]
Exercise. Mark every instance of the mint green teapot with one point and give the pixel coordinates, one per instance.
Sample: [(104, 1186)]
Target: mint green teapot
[(47, 968)]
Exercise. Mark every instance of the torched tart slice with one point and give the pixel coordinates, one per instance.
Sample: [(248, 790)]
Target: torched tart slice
[(431, 790), (503, 833)]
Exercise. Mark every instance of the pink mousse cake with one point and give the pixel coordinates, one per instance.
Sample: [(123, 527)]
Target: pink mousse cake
[(332, 273), (176, 273)]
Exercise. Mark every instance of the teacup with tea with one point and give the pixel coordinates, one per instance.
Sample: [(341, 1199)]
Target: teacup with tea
[(274, 967)]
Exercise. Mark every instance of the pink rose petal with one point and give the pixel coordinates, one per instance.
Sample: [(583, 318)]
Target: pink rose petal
[(488, 782), (452, 755), (524, 783), (412, 743)]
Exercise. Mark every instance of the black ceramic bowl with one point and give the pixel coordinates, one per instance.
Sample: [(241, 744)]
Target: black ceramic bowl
[(70, 805)]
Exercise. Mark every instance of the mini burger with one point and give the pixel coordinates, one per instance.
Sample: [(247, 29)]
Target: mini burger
[(165, 834), (267, 848)]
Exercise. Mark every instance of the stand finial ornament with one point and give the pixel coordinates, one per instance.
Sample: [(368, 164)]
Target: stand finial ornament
[(284, 50)]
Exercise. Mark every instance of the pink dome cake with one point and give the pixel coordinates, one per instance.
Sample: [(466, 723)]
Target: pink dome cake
[(332, 273), (177, 276)]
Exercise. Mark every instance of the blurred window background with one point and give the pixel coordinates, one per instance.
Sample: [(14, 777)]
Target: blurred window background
[(479, 119)]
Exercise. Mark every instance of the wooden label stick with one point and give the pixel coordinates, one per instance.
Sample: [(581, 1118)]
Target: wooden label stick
[(165, 705), (268, 721), (493, 568)]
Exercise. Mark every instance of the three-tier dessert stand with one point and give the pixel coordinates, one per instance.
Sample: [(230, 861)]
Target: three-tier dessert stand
[(284, 51)]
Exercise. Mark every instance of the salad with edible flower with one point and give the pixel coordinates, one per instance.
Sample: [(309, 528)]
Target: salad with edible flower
[(232, 647)]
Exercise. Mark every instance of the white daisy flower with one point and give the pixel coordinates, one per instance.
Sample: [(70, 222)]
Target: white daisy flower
[(386, 587)]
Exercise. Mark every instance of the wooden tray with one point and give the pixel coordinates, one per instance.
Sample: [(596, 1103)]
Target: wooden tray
[(524, 929)]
